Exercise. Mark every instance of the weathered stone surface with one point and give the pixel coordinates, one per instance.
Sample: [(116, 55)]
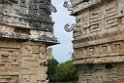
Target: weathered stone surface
[(100, 34), (98, 40), (26, 31), (101, 73), (31, 18)]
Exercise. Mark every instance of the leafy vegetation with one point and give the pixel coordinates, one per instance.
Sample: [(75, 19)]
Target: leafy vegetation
[(52, 66), (61, 72)]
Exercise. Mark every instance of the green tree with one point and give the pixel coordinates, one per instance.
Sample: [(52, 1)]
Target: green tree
[(66, 72), (52, 66)]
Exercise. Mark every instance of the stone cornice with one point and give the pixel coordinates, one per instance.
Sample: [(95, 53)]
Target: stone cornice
[(82, 5), (99, 38)]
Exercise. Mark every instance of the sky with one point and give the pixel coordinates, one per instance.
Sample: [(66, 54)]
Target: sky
[(63, 51)]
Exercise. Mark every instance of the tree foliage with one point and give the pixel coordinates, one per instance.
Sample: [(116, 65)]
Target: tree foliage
[(63, 72), (66, 72), (52, 66)]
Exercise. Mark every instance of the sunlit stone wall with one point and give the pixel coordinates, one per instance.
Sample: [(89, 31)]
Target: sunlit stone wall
[(26, 31), (98, 40)]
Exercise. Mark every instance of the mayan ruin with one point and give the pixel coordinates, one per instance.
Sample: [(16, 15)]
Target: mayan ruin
[(26, 31), (27, 34), (98, 40)]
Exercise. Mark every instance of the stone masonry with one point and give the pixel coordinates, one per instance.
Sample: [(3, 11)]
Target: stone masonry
[(98, 40), (26, 31)]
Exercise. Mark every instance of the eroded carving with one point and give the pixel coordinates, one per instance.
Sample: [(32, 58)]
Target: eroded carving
[(8, 79), (68, 6), (68, 28), (53, 8), (8, 1), (26, 30), (98, 39)]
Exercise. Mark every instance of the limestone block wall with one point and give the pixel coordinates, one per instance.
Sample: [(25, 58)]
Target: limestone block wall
[(9, 61), (33, 63), (98, 32), (26, 31), (23, 62), (98, 40), (101, 73)]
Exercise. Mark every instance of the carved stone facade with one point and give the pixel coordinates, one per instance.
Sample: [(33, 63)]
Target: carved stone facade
[(98, 40), (26, 31)]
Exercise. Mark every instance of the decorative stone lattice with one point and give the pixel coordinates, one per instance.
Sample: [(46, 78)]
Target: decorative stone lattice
[(98, 40)]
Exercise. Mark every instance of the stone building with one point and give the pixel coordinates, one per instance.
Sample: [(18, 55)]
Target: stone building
[(26, 30), (98, 40)]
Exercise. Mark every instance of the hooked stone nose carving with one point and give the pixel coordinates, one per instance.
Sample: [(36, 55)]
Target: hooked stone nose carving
[(53, 8), (68, 6), (69, 28)]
